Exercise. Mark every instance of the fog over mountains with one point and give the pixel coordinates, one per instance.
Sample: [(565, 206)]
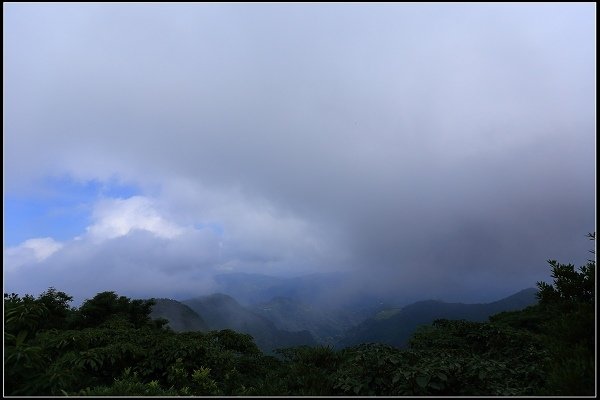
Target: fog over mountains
[(181, 317), (304, 318)]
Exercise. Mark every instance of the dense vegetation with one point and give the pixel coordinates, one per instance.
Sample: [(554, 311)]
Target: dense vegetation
[(111, 346)]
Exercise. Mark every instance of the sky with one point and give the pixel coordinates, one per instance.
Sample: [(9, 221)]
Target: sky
[(435, 150)]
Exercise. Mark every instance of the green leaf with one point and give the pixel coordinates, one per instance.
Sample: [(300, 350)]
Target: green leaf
[(422, 381), (21, 337)]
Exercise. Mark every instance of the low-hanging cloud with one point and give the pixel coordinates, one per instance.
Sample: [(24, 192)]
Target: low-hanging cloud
[(133, 248), (428, 148)]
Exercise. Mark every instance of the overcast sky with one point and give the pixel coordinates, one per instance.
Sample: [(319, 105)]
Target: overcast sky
[(439, 150)]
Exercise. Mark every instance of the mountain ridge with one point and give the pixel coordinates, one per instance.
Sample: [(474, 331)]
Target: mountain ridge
[(397, 326), (221, 311), (181, 317)]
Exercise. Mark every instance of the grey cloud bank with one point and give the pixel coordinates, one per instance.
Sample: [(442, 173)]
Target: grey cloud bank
[(438, 149)]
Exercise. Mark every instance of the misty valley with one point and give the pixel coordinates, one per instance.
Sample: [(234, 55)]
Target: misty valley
[(304, 318), (274, 336)]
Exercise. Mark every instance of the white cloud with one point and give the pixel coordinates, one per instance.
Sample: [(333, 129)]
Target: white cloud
[(118, 217), (32, 250), (139, 247), (42, 247)]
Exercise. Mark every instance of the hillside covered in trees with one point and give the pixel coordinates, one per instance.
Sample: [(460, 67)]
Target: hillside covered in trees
[(110, 345), (396, 326)]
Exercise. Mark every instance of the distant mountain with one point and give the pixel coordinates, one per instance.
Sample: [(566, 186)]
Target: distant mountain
[(396, 326), (327, 326), (181, 318), (221, 311), (252, 289), (325, 304), (330, 290)]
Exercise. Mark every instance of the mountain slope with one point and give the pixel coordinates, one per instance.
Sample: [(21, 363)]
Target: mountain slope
[(396, 326), (326, 325), (221, 311), (181, 317)]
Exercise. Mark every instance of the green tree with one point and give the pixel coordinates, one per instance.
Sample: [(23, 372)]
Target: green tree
[(106, 305), (570, 287), (569, 303), (59, 311)]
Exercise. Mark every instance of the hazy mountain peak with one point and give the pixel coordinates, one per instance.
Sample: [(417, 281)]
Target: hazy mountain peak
[(181, 317)]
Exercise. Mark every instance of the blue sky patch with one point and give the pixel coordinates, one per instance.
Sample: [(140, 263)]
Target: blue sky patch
[(59, 208)]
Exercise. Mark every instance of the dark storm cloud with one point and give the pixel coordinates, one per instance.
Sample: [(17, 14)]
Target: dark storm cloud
[(431, 147)]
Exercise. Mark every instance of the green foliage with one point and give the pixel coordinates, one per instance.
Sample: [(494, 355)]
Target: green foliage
[(23, 315), (240, 343), (309, 370), (570, 286), (493, 359), (198, 384), (129, 385), (368, 370), (59, 311), (571, 373), (107, 305), (568, 305), (530, 319)]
